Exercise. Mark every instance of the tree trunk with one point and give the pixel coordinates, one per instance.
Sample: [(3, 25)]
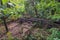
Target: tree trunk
[(35, 9), (4, 21)]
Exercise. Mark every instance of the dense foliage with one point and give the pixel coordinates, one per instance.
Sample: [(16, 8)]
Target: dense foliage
[(46, 9)]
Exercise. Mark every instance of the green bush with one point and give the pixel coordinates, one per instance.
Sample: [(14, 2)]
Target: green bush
[(55, 34)]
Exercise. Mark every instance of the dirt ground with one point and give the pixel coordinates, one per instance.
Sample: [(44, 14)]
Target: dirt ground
[(16, 29)]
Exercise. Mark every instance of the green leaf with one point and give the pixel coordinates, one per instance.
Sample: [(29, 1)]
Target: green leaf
[(4, 1)]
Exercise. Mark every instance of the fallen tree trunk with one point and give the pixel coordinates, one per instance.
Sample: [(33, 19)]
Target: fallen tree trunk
[(42, 23)]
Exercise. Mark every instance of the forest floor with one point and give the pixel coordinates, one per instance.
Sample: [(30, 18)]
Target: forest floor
[(19, 31), (15, 29)]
